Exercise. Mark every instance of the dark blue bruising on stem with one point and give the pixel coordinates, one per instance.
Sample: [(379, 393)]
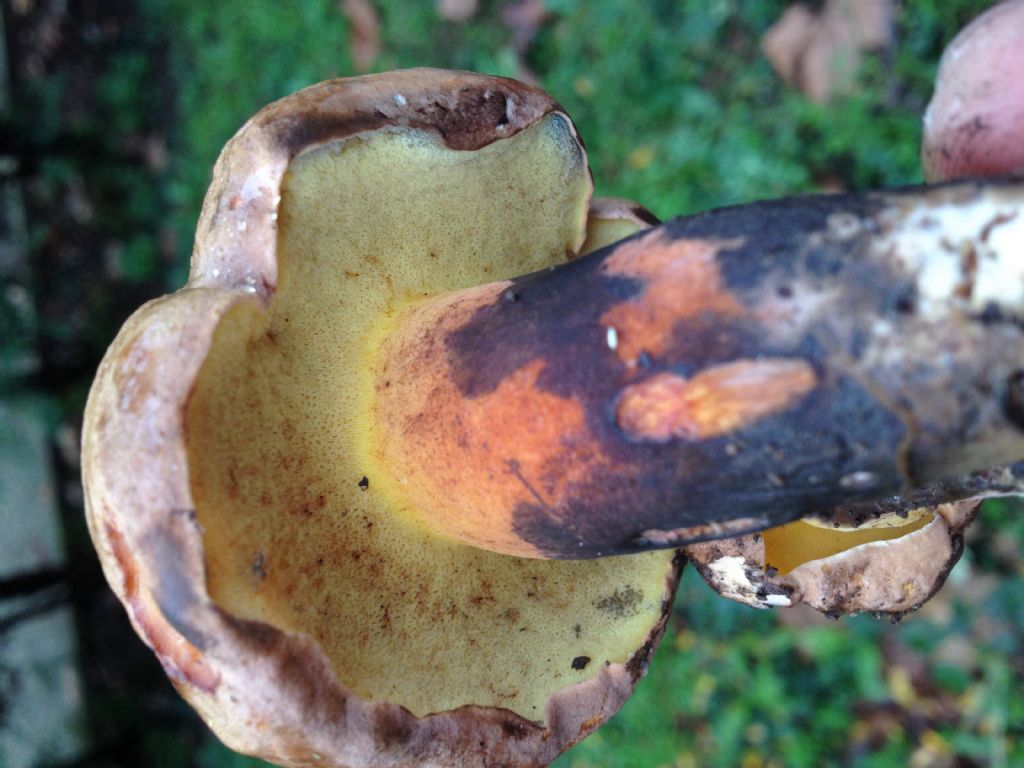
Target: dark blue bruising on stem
[(782, 467)]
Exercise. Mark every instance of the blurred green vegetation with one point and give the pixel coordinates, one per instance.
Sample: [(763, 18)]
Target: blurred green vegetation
[(119, 131)]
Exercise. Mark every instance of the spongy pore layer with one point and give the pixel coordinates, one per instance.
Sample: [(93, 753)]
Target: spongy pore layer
[(789, 546), (300, 528)]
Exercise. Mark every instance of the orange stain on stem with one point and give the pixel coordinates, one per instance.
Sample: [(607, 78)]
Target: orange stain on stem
[(470, 461), (518, 444), (529, 430), (681, 279), (715, 402)]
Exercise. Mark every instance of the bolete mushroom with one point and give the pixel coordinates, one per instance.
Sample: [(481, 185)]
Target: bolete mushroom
[(326, 476), (239, 508)]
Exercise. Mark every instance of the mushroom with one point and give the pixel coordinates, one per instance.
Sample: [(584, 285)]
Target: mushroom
[(343, 480), (239, 510)]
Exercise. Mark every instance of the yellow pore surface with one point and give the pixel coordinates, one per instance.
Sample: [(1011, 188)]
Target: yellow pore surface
[(602, 232), (278, 435), (789, 546)]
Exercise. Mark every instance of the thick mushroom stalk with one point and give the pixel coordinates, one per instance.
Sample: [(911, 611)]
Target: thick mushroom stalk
[(847, 358)]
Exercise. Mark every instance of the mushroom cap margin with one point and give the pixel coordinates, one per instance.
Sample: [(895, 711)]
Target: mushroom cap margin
[(266, 692)]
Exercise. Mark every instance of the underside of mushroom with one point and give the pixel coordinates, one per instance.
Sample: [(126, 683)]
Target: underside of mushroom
[(239, 508), (365, 227), (359, 482)]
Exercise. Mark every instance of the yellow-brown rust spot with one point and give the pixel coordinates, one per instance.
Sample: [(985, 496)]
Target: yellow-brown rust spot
[(133, 376), (682, 280), (588, 726), (715, 402)]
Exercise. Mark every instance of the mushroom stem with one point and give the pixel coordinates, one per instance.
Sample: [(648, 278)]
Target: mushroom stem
[(718, 374)]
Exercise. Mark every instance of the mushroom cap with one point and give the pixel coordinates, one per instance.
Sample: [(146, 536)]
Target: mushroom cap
[(885, 570), (612, 219), (288, 603), (972, 124)]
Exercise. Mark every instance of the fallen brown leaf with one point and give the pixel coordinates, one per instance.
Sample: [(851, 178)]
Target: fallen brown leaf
[(820, 52), (364, 35)]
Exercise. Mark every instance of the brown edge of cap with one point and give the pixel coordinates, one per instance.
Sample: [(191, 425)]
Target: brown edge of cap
[(889, 578), (264, 691), (237, 232), (621, 209)]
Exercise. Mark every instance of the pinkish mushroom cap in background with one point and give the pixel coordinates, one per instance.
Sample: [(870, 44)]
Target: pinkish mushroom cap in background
[(974, 125)]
